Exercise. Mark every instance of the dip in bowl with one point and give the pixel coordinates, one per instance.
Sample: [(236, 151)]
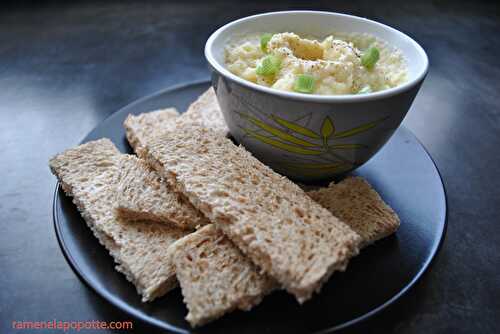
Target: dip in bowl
[(341, 63), (333, 128)]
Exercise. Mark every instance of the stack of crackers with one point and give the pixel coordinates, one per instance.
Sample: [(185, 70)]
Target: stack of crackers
[(193, 209)]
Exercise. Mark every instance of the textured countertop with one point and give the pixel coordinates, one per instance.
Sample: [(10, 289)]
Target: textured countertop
[(64, 68)]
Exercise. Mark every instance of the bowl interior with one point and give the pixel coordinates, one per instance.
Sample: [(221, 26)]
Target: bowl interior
[(318, 24)]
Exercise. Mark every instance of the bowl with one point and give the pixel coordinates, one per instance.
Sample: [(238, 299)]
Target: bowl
[(312, 137)]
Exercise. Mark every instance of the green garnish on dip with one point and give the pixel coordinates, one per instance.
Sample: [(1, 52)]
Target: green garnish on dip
[(370, 57), (269, 66), (304, 83), (264, 39), (365, 90)]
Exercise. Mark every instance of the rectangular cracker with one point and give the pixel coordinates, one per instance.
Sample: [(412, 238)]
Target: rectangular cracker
[(357, 204), (142, 195), (215, 277), (139, 129), (88, 173), (205, 112), (269, 218)]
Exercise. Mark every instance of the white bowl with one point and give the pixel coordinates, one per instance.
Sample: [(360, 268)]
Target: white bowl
[(240, 99)]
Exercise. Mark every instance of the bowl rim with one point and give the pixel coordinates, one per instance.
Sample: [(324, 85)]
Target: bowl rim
[(347, 98)]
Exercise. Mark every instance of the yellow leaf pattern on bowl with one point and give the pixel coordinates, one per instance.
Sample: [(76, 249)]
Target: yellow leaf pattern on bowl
[(302, 140), (281, 145), (278, 133), (359, 129), (295, 127), (327, 129)]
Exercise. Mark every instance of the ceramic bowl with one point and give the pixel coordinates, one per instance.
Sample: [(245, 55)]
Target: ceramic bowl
[(312, 137)]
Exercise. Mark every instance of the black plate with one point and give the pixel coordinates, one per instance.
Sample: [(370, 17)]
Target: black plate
[(402, 172)]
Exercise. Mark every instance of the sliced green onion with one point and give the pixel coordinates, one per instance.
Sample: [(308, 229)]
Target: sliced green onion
[(264, 39), (304, 83), (269, 66), (370, 57), (365, 90)]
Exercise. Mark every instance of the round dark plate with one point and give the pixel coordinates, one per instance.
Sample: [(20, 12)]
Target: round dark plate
[(403, 174)]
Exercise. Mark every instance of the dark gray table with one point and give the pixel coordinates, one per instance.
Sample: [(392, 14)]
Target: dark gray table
[(65, 68)]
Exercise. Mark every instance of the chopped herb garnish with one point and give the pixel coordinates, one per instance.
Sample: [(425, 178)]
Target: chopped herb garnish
[(304, 83), (264, 39), (370, 57), (269, 66)]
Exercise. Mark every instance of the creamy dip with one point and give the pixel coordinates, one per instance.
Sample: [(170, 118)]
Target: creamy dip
[(338, 64)]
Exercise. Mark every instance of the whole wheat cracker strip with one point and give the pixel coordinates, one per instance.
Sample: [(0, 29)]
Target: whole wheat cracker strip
[(142, 195), (269, 218), (88, 173), (357, 204), (205, 112), (215, 277), (141, 129)]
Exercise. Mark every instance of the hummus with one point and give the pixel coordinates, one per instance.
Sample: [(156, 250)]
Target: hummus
[(338, 64)]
